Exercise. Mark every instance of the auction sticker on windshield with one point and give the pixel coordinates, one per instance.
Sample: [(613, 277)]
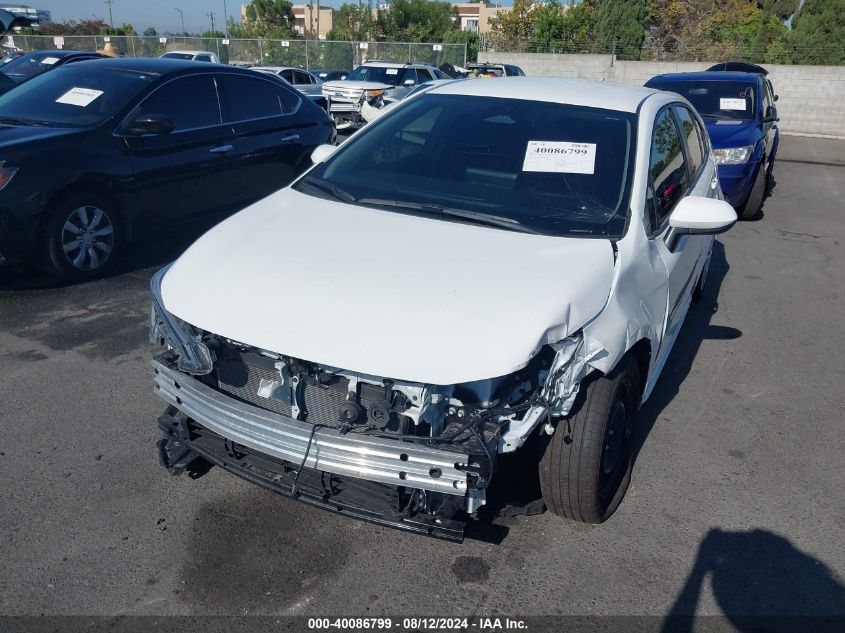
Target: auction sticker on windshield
[(731, 104), (560, 157), (49, 61), (79, 96)]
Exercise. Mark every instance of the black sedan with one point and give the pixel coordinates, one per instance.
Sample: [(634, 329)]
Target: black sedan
[(98, 152), (29, 65)]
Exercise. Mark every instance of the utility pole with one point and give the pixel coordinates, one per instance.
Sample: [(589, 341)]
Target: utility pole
[(210, 14), (111, 20), (318, 20), (225, 19), (182, 16)]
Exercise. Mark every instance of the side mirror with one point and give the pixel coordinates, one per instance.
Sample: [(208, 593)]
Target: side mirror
[(155, 124), (776, 97), (322, 152), (695, 215), (771, 115), (409, 82)]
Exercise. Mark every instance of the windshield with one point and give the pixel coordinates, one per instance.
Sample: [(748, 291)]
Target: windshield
[(510, 163), (380, 74), (76, 95), (178, 56), (716, 99), (30, 65)]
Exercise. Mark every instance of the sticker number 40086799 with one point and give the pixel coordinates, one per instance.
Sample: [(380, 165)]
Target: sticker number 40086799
[(560, 157)]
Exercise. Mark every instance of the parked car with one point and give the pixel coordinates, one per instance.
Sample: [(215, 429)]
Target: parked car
[(300, 79), (488, 70), (741, 117), (379, 106), (372, 79), (488, 265), (25, 67), (196, 56), (98, 152), (329, 75)]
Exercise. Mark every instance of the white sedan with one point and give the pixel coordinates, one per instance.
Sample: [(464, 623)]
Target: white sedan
[(493, 266)]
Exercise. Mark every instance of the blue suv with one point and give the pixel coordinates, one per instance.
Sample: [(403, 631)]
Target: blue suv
[(739, 111)]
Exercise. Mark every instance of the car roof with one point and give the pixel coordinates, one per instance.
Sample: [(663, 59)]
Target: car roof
[(278, 68), (707, 75), (154, 65), (582, 92), (190, 52), (59, 53)]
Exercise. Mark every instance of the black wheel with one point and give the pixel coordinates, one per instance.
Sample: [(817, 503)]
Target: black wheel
[(82, 237), (751, 208), (586, 468)]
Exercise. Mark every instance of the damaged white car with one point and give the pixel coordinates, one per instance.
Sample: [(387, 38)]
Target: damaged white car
[(491, 266)]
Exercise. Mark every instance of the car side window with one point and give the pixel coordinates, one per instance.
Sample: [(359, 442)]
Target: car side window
[(408, 74), (302, 78), (668, 175), (247, 98), (287, 75), (695, 144), (189, 102), (203, 58), (424, 75)]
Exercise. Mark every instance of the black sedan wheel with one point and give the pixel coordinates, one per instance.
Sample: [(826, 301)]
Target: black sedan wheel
[(82, 237)]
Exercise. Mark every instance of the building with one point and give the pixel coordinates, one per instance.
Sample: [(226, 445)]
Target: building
[(310, 24), (24, 11), (475, 16), (307, 21)]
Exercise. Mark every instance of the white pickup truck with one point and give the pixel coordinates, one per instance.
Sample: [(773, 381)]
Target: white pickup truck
[(369, 81)]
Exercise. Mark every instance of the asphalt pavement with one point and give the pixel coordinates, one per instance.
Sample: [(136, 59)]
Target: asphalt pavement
[(736, 505)]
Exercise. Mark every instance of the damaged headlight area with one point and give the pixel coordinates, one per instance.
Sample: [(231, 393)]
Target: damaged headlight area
[(194, 357)]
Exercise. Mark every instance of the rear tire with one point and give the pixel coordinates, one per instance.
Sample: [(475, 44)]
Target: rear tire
[(751, 208), (82, 238), (586, 467)]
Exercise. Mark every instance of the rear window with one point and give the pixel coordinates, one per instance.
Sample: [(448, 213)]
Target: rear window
[(31, 65), (178, 56), (716, 99), (75, 95)]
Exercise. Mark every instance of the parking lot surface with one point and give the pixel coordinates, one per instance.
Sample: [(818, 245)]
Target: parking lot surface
[(736, 505)]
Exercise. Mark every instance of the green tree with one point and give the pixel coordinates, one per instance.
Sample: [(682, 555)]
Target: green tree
[(511, 28), (150, 31), (351, 22), (269, 18), (415, 20), (818, 33), (456, 36), (123, 29), (567, 28), (620, 27)]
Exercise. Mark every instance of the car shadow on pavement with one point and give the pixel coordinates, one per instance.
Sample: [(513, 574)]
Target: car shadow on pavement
[(145, 252), (761, 582), (696, 328)]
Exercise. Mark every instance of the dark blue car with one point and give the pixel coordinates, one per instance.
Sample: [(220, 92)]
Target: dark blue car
[(739, 111)]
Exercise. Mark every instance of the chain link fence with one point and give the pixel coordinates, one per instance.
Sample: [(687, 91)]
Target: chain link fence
[(334, 55)]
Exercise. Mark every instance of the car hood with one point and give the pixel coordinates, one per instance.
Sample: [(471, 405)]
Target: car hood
[(23, 135), (724, 133), (340, 86), (384, 293)]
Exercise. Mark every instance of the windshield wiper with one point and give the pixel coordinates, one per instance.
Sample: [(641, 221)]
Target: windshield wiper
[(15, 121), (326, 187), (720, 116), (476, 217)]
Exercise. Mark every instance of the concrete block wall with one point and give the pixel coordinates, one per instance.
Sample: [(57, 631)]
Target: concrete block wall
[(811, 98)]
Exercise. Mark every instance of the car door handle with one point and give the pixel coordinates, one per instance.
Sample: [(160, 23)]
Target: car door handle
[(221, 149), (290, 138)]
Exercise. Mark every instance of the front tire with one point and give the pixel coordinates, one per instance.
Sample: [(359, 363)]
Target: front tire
[(82, 237), (751, 208), (586, 468)]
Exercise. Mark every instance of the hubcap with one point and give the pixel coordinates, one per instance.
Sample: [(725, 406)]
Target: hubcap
[(87, 237)]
